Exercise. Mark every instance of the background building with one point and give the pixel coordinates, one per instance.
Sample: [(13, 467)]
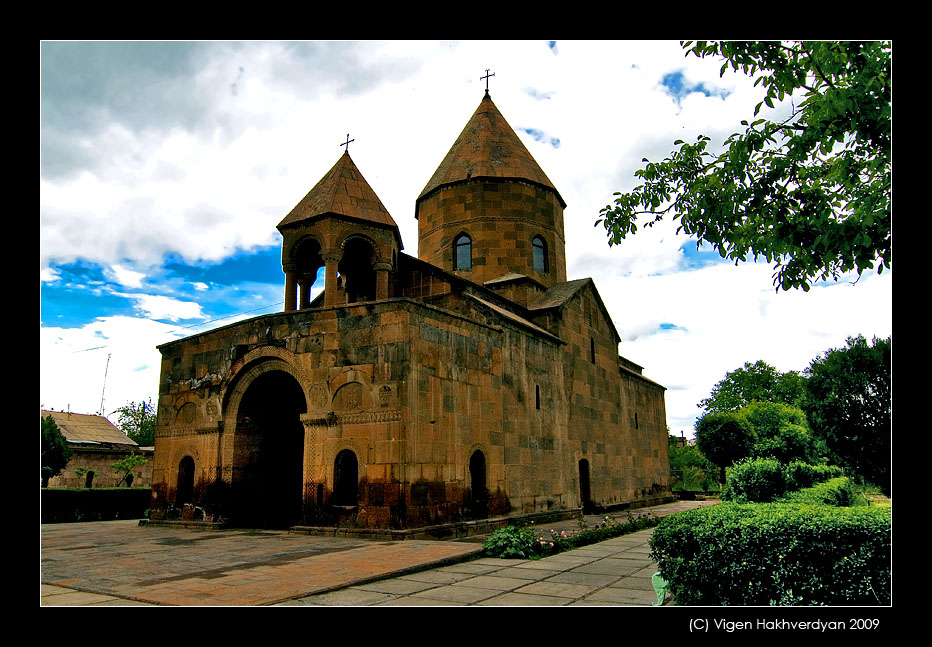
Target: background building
[(97, 444)]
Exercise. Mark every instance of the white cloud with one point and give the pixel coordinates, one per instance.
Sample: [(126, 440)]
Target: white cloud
[(49, 275), (156, 306), (125, 276), (732, 315), (72, 363)]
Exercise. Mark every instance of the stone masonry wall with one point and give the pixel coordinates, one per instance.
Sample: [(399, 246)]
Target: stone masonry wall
[(501, 218), (413, 391)]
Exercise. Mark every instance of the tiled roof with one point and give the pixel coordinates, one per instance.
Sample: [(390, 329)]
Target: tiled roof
[(507, 314), (487, 148), (84, 428), (559, 295), (343, 191)]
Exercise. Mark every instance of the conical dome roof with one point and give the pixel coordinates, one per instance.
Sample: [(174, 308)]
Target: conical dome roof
[(488, 147), (342, 191)]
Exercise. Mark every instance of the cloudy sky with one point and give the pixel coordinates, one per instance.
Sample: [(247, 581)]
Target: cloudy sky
[(165, 167)]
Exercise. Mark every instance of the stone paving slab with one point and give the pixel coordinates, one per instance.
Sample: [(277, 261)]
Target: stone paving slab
[(172, 566), (122, 563)]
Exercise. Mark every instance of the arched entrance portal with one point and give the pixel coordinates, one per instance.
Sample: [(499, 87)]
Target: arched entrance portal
[(269, 452)]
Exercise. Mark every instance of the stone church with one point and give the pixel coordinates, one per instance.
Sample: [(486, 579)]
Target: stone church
[(473, 381)]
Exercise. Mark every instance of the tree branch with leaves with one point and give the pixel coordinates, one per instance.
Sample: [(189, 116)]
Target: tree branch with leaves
[(810, 193)]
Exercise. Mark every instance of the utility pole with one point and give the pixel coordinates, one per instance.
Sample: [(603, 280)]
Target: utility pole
[(106, 368)]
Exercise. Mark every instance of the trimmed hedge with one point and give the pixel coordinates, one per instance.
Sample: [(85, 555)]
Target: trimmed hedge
[(837, 492), (764, 480), (755, 480), (801, 475), (99, 504), (776, 554)]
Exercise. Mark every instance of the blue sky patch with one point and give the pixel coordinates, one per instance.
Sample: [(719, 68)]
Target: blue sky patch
[(72, 305), (695, 259), (263, 266), (678, 87), (542, 137)]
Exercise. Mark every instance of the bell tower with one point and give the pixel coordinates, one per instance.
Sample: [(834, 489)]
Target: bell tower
[(342, 226), (489, 211)]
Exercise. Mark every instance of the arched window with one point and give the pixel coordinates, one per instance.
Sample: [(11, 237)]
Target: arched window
[(540, 254), (462, 252)]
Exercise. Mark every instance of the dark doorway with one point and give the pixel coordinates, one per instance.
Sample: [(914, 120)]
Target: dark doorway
[(184, 493), (270, 452), (584, 493), (479, 503), (345, 479)]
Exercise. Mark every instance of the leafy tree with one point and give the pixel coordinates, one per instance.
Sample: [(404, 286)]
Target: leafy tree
[(810, 193), (724, 437), (758, 382), (690, 463), (137, 420), (781, 432), (55, 450), (125, 467), (849, 406)]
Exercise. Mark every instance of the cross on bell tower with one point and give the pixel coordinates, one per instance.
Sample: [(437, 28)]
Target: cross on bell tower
[(347, 142), (486, 77)]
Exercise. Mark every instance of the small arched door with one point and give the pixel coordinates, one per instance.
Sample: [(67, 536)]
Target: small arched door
[(479, 503), (184, 493), (345, 479)]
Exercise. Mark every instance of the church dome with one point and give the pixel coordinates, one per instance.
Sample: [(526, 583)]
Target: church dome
[(488, 147)]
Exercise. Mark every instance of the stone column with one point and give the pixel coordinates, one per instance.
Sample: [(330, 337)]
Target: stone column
[(331, 292), (381, 279), (291, 288), (304, 291)]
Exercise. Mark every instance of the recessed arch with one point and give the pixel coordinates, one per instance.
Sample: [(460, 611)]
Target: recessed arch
[(306, 254), (255, 362)]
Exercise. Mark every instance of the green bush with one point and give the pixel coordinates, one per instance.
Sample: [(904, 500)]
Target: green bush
[(775, 554), (754, 480), (512, 543), (838, 492), (525, 543), (801, 475)]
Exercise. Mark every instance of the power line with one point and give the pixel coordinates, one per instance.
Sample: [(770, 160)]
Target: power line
[(202, 323)]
